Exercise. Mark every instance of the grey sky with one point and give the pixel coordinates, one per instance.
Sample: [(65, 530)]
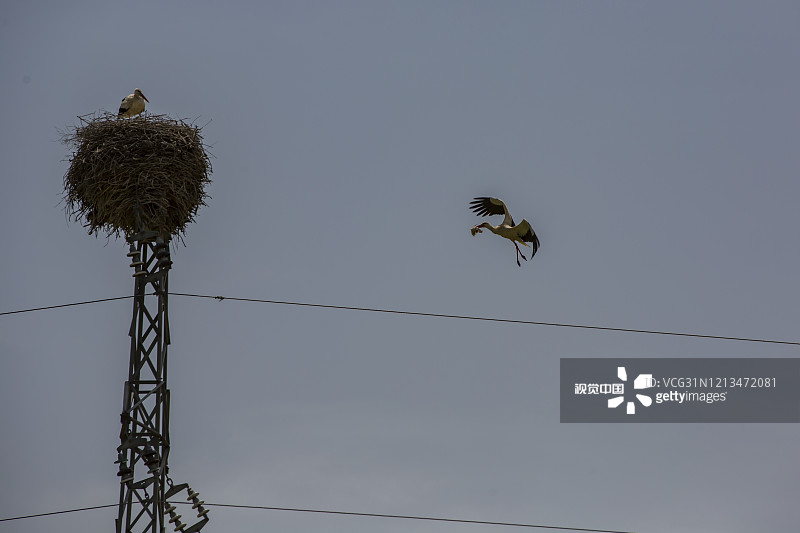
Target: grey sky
[(653, 146)]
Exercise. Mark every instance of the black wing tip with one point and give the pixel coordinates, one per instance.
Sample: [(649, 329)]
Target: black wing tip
[(534, 245), (479, 206), (485, 206), (478, 202)]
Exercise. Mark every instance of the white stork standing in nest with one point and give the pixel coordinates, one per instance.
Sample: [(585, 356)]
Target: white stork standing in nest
[(521, 233), (133, 104)]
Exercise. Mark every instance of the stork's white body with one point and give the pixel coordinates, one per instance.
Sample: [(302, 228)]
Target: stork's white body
[(133, 104), (512, 233), (521, 233)]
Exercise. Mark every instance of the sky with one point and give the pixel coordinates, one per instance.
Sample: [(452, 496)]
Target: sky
[(652, 146)]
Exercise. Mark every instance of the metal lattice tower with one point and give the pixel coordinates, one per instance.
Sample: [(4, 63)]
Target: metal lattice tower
[(143, 177), (144, 439)]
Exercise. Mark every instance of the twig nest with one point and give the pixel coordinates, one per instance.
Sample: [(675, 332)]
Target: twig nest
[(129, 175)]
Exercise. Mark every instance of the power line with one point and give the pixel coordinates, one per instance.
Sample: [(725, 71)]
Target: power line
[(63, 305), (425, 314), (428, 518), (57, 512), (489, 319), (347, 513)]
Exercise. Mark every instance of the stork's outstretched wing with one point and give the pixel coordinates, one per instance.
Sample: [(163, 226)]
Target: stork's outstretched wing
[(485, 206), (526, 233)]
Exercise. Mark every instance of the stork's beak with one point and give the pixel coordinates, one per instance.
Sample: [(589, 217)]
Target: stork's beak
[(145, 98)]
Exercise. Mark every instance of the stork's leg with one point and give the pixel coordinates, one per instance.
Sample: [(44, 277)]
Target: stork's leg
[(519, 254)]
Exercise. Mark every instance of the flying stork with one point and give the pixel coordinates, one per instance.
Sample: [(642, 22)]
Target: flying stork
[(520, 233), (133, 104)]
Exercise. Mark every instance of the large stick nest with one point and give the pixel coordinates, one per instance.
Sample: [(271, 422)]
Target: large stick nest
[(143, 173)]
